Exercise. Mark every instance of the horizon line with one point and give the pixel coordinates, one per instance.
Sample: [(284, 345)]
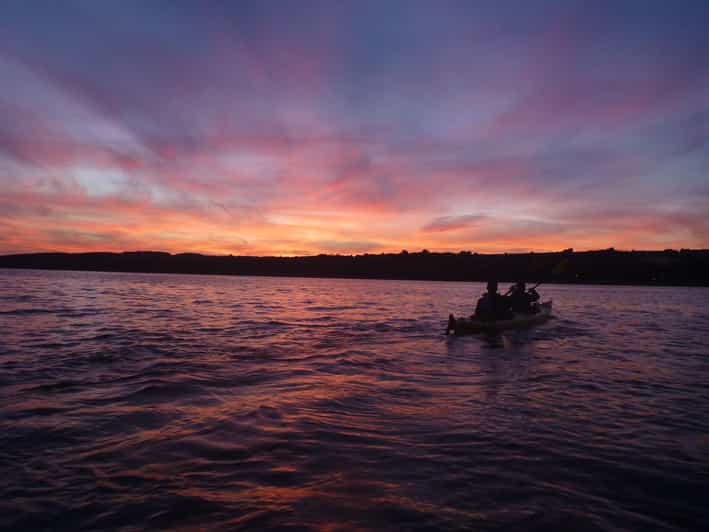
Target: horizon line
[(402, 252)]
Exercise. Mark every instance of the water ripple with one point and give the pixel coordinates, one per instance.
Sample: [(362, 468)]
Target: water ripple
[(132, 401)]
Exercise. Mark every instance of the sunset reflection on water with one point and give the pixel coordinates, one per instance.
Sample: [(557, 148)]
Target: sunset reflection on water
[(165, 401)]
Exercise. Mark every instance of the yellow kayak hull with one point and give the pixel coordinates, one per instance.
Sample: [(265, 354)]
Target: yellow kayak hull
[(519, 321)]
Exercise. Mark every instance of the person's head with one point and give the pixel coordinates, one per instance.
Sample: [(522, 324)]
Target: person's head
[(492, 287), (521, 286)]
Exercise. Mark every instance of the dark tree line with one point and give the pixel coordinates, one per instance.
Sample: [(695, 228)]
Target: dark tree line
[(669, 267)]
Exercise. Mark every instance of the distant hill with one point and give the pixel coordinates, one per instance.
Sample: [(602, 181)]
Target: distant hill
[(669, 267)]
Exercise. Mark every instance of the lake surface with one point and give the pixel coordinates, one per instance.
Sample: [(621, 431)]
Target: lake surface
[(131, 401)]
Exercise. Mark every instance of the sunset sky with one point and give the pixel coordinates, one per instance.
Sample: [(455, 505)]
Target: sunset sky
[(278, 127)]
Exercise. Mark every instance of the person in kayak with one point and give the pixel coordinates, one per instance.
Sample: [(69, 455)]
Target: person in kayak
[(522, 300), (493, 306)]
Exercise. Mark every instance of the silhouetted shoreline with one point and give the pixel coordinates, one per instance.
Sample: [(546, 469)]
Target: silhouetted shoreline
[(669, 267)]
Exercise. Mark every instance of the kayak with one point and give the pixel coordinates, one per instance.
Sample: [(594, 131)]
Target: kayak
[(518, 321)]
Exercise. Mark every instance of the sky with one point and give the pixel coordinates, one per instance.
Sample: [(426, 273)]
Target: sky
[(297, 128)]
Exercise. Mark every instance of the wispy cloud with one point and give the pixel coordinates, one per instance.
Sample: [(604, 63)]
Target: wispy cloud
[(454, 223)]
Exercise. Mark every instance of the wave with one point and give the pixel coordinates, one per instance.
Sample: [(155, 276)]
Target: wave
[(305, 404)]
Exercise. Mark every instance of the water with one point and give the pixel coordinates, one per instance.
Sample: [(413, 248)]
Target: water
[(131, 401)]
